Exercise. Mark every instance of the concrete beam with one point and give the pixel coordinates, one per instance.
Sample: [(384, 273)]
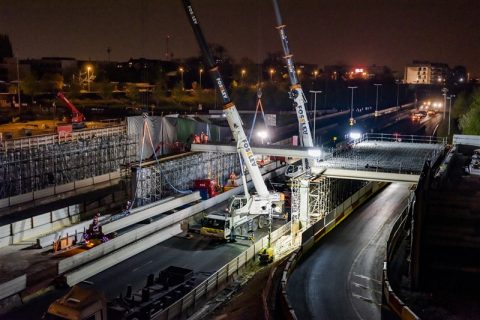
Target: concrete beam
[(366, 175), (13, 286), (272, 150)]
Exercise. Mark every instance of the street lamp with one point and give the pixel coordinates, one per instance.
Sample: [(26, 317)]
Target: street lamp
[(200, 77), (351, 120), (243, 72), (88, 77), (376, 99), (398, 86), (449, 111), (314, 108), (271, 71), (181, 77), (315, 74), (444, 90)]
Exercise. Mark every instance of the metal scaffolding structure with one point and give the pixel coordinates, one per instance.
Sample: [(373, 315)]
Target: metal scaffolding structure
[(313, 197), (154, 181), (31, 167)]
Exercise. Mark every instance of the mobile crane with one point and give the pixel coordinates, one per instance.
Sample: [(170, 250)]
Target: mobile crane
[(296, 91), (77, 117), (243, 210)]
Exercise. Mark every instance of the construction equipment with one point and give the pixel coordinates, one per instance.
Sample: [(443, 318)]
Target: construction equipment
[(83, 302), (77, 118), (243, 209), (78, 304), (296, 91)]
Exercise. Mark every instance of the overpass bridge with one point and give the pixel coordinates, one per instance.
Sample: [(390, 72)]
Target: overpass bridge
[(373, 156)]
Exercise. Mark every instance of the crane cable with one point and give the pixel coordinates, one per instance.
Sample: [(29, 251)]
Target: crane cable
[(145, 130)]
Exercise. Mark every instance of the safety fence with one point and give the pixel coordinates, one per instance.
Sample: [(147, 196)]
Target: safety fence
[(209, 287), (317, 231)]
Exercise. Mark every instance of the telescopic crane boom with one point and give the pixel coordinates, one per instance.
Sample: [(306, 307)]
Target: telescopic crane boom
[(296, 91), (245, 211), (229, 108)]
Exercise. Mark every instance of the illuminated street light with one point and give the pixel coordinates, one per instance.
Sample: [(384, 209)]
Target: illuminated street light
[(200, 76), (88, 77), (271, 71), (181, 77), (355, 135), (243, 73), (444, 93), (351, 120), (262, 134), (315, 74), (376, 99)]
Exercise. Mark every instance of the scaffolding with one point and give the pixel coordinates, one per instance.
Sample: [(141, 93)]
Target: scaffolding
[(28, 167), (156, 180), (314, 197)]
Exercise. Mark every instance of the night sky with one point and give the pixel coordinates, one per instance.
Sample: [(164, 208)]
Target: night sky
[(356, 32)]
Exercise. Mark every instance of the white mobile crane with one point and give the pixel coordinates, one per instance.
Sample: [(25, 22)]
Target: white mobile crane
[(243, 210), (296, 92)]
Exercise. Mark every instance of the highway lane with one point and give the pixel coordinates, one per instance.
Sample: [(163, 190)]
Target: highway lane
[(341, 279)]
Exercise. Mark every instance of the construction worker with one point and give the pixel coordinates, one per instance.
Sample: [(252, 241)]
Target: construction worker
[(202, 137), (196, 139), (232, 179), (205, 138)]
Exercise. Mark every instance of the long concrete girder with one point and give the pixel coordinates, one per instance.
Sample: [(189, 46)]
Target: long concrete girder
[(280, 151), (366, 175)]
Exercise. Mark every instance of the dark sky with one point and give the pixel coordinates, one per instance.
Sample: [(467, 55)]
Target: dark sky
[(357, 32)]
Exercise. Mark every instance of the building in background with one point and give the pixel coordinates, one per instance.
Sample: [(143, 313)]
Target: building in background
[(425, 72)]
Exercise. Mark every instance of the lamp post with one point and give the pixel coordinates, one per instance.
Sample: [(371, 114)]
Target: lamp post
[(200, 77), (88, 78), (376, 99), (315, 74), (18, 90), (351, 120), (271, 71), (449, 111), (181, 77), (444, 90), (398, 86), (314, 108), (243, 73)]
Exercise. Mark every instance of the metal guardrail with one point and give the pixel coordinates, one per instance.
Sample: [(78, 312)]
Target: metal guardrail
[(213, 283), (411, 138)]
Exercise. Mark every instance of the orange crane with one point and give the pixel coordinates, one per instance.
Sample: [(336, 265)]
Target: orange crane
[(77, 117)]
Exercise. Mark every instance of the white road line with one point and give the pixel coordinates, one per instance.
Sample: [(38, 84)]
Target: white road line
[(148, 262), (367, 278)]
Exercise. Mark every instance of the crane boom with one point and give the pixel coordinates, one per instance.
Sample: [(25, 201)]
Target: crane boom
[(77, 116), (229, 108), (296, 91)]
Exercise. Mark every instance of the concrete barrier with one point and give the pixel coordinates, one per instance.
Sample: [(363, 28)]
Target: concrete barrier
[(44, 193), (65, 187), (136, 234), (13, 286), (5, 230), (142, 213), (120, 255)]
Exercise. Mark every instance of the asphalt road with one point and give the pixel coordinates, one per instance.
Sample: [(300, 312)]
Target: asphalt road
[(342, 278)]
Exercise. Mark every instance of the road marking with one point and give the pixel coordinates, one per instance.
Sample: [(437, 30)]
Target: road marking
[(366, 299), (148, 262), (367, 278)]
